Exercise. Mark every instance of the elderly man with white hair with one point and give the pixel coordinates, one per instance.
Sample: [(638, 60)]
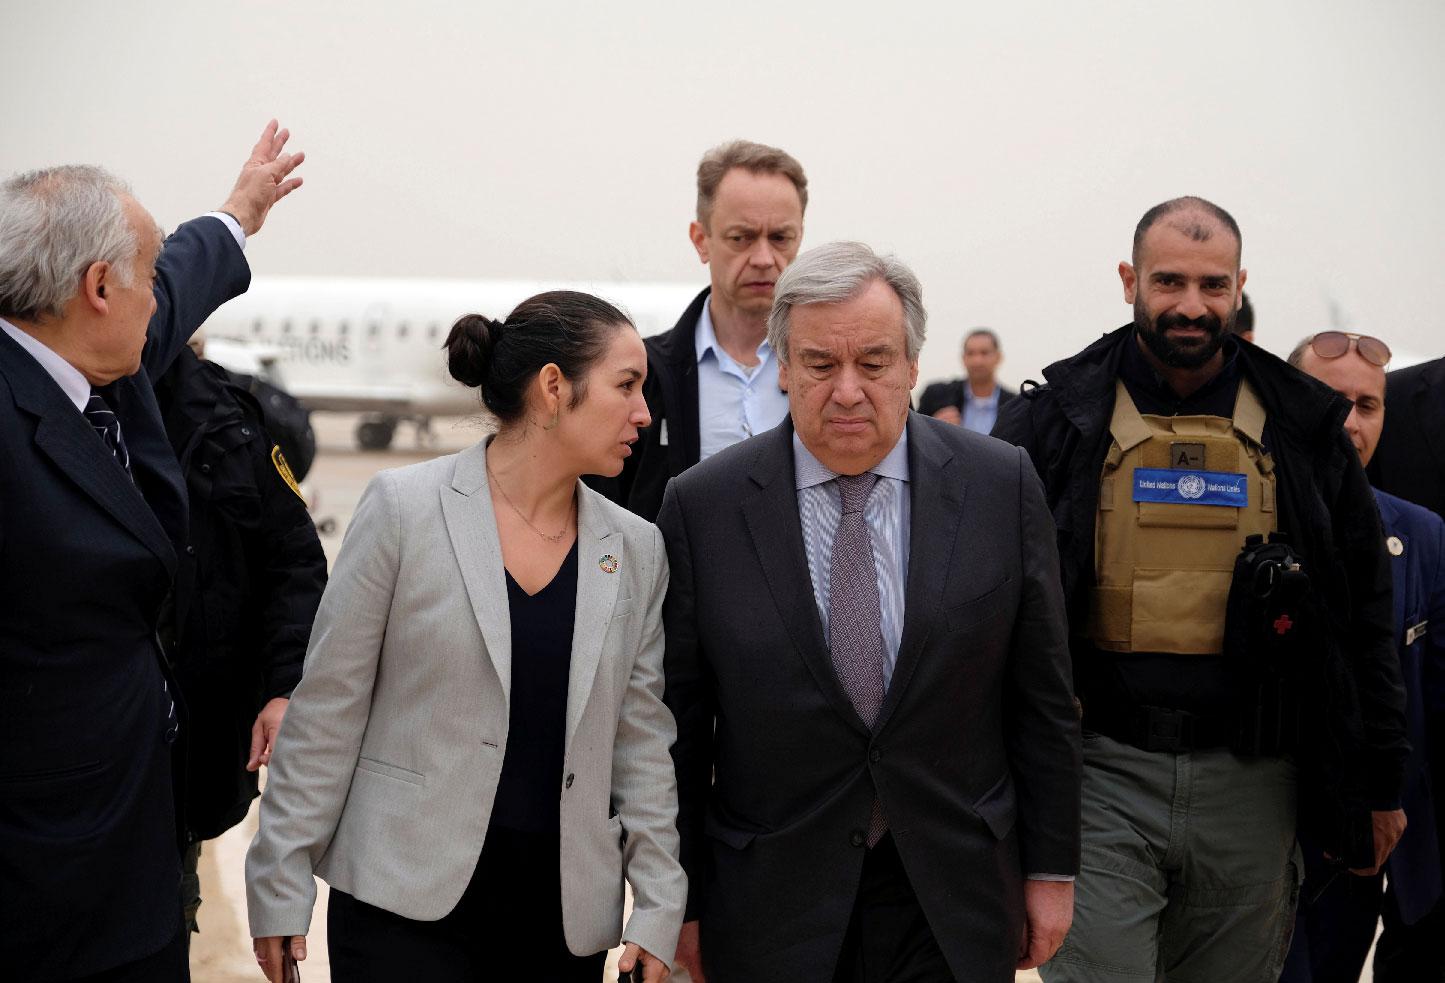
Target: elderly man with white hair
[(93, 304)]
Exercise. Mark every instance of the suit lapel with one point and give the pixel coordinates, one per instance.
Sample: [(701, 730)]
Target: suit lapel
[(472, 527), (936, 489), (777, 534), (599, 548), (64, 435)]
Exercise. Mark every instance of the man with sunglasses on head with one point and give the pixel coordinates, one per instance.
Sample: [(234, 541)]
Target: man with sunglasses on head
[(1337, 919), (1214, 718)]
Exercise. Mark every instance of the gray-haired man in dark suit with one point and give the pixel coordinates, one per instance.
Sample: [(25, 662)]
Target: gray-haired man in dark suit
[(878, 749)]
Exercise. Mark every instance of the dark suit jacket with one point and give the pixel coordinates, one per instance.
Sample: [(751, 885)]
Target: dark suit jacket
[(672, 444), (1419, 575), (89, 866), (1410, 461), (975, 755), (949, 392)]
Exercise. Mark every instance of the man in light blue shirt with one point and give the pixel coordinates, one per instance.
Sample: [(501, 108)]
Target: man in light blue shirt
[(712, 379), (973, 401)]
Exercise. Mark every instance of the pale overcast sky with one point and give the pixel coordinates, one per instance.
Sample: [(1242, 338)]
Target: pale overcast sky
[(1005, 150)]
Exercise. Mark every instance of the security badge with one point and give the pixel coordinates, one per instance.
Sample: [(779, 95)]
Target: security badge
[(284, 470)]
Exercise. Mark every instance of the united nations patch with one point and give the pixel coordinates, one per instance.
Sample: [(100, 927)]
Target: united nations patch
[(284, 470)]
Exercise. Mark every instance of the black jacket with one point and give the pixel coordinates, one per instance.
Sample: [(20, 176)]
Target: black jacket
[(246, 590), (1410, 461), (949, 392), (672, 444), (1356, 746)]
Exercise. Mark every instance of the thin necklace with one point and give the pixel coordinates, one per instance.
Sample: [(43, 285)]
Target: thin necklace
[(508, 499)]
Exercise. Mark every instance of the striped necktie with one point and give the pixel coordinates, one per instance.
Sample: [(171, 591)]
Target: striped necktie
[(103, 419)]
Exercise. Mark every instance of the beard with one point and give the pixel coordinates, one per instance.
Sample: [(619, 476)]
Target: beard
[(1181, 354)]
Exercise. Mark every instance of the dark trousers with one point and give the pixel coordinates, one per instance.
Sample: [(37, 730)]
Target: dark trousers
[(1410, 953), (507, 925), (169, 965), (888, 938), (1333, 937)]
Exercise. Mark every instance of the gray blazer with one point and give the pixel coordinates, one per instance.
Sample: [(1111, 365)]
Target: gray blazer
[(387, 764)]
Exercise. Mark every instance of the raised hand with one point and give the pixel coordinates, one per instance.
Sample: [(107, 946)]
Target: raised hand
[(265, 179)]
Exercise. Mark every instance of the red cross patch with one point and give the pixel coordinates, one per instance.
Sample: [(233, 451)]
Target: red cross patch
[(1282, 624)]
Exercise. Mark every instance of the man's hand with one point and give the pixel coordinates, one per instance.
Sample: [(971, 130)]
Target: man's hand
[(1049, 907), (689, 951), (949, 414), (263, 732), (654, 970), (263, 180), (269, 951), (1389, 827)]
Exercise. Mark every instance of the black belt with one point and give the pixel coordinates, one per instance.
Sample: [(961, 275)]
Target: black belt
[(1162, 728)]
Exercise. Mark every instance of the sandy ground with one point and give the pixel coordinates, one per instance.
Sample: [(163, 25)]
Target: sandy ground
[(222, 951)]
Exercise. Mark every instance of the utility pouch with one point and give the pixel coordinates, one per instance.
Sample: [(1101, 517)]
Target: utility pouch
[(1265, 622)]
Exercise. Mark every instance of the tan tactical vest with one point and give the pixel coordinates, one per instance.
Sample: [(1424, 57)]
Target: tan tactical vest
[(1163, 569)]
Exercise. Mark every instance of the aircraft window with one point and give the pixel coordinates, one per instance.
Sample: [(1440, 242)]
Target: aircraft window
[(315, 327), (373, 329), (285, 327), (401, 330), (342, 328), (256, 326)]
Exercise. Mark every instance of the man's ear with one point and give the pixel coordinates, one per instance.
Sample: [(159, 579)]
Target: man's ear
[(1239, 288), (92, 286), (1130, 279), (698, 235)]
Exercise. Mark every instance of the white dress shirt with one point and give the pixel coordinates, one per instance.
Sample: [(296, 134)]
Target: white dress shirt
[(733, 402)]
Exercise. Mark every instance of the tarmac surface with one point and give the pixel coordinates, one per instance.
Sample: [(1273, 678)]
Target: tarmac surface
[(221, 953)]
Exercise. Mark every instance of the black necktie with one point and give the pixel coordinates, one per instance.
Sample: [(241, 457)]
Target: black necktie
[(107, 426)]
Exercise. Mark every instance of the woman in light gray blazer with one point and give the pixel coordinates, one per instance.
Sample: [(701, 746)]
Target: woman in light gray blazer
[(477, 756)]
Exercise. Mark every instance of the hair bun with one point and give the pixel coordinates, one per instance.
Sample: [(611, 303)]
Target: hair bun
[(469, 346)]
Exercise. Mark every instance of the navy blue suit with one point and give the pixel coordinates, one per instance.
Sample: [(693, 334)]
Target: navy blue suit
[(1334, 933), (89, 866)]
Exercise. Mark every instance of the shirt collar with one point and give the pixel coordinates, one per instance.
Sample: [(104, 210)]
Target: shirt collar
[(66, 376), (988, 400), (705, 338), (810, 471)]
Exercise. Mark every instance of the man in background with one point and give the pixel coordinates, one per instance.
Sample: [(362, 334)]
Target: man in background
[(92, 521), (1338, 916), (712, 380), (245, 597), (975, 400), (1410, 461)]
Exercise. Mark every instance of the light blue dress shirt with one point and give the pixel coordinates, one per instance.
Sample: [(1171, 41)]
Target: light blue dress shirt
[(980, 413), (820, 505), (733, 402)]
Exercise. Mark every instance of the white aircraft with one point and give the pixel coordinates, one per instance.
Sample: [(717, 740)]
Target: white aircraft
[(374, 346)]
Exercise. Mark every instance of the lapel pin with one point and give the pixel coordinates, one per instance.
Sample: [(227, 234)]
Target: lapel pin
[(1394, 545), (608, 563)]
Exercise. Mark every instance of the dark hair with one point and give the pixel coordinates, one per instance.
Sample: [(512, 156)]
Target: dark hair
[(1244, 317), (988, 333), (564, 327), (1196, 231)]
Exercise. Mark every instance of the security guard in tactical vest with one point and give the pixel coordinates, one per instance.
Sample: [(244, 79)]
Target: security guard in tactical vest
[(1229, 615), (245, 596)]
